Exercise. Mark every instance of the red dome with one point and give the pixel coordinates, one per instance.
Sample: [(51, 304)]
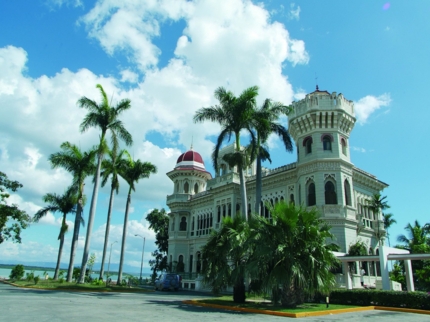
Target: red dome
[(190, 160), (190, 155)]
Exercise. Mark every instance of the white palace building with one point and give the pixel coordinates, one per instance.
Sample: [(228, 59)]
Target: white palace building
[(323, 177)]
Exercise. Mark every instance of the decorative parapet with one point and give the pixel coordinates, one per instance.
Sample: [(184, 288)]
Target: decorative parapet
[(368, 180), (199, 195), (322, 102), (283, 168), (231, 177)]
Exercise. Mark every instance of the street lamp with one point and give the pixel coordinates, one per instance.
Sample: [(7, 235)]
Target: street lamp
[(143, 250), (110, 254)]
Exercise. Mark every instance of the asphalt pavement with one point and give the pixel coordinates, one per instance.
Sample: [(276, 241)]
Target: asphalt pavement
[(29, 305)]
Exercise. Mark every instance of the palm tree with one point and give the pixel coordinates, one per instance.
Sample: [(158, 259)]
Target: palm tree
[(104, 117), (388, 222), (234, 114), (265, 124), (110, 169), (417, 240), (377, 204), (131, 171), (65, 204), (80, 165), (290, 249), (225, 255)]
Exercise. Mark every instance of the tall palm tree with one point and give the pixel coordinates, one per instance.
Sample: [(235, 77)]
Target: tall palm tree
[(377, 204), (65, 204), (234, 114), (110, 168), (265, 123), (104, 117), (80, 165), (388, 222), (131, 171)]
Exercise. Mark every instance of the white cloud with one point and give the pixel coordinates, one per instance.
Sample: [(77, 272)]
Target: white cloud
[(367, 105), (129, 76), (235, 45), (60, 3), (358, 149), (294, 12)]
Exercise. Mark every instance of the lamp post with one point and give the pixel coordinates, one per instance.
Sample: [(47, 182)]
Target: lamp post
[(110, 254), (143, 251)]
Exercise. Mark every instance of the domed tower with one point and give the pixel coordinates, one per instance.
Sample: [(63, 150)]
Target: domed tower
[(189, 175)]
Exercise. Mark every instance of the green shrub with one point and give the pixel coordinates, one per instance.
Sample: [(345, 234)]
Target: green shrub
[(411, 300), (29, 276), (36, 279), (61, 280), (17, 272), (97, 282)]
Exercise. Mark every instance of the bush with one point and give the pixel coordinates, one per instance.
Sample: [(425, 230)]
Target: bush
[(36, 279), (410, 300), (97, 282), (17, 272), (29, 276)]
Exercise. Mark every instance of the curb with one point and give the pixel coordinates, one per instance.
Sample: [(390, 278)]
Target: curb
[(304, 314)]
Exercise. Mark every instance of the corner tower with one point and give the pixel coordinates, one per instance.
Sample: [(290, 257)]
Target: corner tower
[(321, 124)]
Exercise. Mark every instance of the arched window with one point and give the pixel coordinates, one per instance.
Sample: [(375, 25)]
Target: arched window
[(219, 214), (347, 193), (292, 199), (229, 209), (343, 144), (183, 224), (196, 188), (311, 194), (177, 187), (326, 143), (173, 224), (186, 187), (307, 143), (330, 194), (192, 224)]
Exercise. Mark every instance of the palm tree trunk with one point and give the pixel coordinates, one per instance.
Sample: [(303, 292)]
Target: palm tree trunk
[(91, 220), (74, 241), (124, 235), (60, 252), (244, 199), (258, 186), (107, 233)]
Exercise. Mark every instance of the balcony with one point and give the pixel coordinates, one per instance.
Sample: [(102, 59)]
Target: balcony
[(178, 197)]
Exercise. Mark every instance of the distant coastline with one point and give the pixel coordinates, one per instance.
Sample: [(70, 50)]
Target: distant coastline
[(52, 269)]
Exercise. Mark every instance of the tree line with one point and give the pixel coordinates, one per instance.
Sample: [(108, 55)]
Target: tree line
[(102, 162)]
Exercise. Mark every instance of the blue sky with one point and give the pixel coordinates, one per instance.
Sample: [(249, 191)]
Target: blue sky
[(168, 57)]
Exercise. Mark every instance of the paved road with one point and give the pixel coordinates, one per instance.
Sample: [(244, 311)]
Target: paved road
[(28, 305)]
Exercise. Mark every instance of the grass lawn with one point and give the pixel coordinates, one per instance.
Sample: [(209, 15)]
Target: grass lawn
[(56, 285), (261, 304)]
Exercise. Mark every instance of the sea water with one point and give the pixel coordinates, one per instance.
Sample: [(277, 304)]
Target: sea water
[(5, 272)]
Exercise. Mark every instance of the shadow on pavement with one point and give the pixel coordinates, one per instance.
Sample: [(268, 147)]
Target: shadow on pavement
[(191, 308)]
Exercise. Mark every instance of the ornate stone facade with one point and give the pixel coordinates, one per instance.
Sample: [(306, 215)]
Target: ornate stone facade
[(322, 177)]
